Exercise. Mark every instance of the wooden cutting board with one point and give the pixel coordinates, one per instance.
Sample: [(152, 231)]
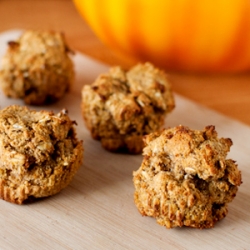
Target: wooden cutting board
[(96, 211)]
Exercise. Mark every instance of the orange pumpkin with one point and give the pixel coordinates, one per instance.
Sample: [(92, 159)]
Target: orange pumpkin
[(187, 35)]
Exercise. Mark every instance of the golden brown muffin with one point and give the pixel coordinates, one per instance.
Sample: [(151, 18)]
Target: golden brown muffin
[(185, 178), (39, 153), (37, 68), (122, 106)]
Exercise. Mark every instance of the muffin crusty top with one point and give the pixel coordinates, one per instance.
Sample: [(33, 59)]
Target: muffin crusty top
[(123, 105), (39, 153), (185, 178), (37, 68)]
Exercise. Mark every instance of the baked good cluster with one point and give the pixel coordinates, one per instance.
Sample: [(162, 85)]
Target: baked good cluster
[(39, 150), (185, 178)]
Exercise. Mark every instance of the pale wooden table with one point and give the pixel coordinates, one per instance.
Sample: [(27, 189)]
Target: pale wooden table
[(229, 95), (97, 210)]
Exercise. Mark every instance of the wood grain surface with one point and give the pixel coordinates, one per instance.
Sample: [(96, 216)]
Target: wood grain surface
[(228, 94), (96, 211)]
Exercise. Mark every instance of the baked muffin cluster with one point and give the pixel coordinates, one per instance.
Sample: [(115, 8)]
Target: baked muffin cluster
[(37, 68), (121, 106), (185, 178), (39, 153)]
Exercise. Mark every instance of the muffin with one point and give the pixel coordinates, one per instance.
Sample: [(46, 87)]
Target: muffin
[(37, 68), (122, 106), (39, 153), (185, 178)]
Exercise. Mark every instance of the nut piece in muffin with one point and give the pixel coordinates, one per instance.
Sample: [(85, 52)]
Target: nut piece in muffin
[(37, 68), (185, 178), (39, 153), (121, 106)]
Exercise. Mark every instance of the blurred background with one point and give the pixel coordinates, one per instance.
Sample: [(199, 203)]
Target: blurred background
[(228, 94)]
